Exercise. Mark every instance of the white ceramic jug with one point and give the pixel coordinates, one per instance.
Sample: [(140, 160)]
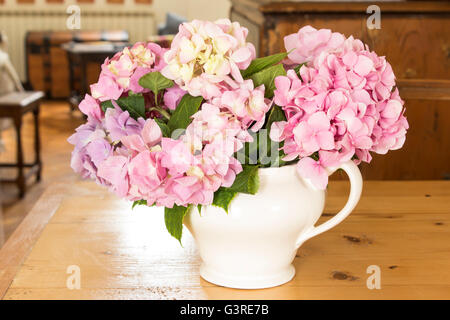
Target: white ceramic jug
[(253, 246)]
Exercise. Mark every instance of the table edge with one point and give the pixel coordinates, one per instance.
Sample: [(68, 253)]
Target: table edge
[(19, 244)]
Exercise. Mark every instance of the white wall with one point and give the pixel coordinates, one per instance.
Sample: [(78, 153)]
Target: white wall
[(42, 17), (208, 9), (16, 26), (43, 5), (192, 9)]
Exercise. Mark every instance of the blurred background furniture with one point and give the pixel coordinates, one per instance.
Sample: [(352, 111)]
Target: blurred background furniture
[(14, 103), (14, 106), (170, 26), (80, 57), (5, 85), (164, 40), (167, 30), (2, 229), (414, 37), (18, 18), (9, 80), (47, 63)]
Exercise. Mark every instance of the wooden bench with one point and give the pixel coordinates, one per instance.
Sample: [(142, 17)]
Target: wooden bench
[(15, 105)]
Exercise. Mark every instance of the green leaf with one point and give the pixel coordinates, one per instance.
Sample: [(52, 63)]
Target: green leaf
[(139, 203), (247, 181), (131, 93), (315, 156), (181, 117), (164, 127), (134, 104), (173, 217), (223, 197), (250, 152), (276, 114), (262, 150), (262, 63), (106, 104), (267, 78), (155, 81)]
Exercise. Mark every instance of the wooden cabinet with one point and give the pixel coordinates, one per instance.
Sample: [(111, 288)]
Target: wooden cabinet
[(48, 64), (415, 38)]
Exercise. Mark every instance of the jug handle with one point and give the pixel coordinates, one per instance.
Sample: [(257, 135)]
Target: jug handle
[(355, 193)]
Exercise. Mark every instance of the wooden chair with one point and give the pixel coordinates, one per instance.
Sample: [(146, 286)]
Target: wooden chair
[(14, 104), (2, 229), (9, 81)]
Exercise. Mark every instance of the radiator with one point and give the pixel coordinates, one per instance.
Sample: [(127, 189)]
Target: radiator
[(139, 23)]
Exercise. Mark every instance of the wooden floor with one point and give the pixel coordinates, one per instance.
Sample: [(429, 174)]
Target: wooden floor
[(57, 124)]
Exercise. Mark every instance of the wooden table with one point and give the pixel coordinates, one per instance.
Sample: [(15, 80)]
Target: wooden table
[(402, 227)]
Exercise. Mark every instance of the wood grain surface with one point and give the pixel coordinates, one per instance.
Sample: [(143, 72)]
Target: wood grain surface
[(402, 227)]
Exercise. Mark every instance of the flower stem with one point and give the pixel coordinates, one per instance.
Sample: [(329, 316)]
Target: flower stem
[(161, 111)]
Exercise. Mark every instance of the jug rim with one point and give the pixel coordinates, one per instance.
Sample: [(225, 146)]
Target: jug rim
[(283, 170)]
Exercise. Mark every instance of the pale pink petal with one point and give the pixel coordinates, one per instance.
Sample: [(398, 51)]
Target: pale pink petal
[(319, 121), (276, 130), (134, 142), (392, 109), (363, 66), (325, 139), (151, 133), (310, 169), (241, 55)]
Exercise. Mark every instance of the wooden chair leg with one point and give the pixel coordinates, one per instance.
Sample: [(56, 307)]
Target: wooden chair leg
[(20, 165), (37, 144)]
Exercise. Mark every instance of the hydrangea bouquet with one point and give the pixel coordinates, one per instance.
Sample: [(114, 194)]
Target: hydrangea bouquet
[(191, 125)]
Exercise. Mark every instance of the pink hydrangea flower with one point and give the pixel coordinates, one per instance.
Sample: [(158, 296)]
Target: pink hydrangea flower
[(173, 96), (308, 42), (247, 104), (122, 72), (145, 139), (145, 171), (342, 106), (317, 171), (114, 170), (119, 123), (91, 148), (178, 158), (205, 56), (106, 89), (196, 177), (211, 124), (133, 159), (134, 85), (90, 107), (146, 175), (390, 131), (314, 134)]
